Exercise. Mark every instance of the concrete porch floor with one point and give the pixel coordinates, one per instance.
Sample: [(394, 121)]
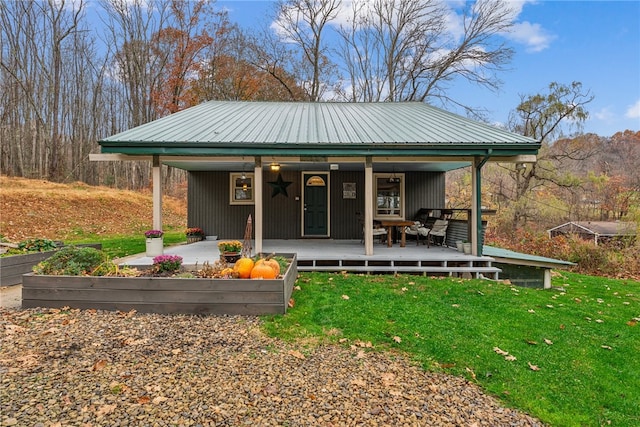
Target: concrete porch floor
[(345, 255)]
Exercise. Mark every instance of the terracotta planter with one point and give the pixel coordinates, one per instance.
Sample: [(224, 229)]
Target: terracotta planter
[(162, 295)]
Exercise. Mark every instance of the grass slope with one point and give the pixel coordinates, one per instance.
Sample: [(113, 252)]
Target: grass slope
[(575, 347)]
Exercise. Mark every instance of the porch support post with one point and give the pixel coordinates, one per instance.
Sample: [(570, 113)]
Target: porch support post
[(368, 207), (157, 193), (476, 205), (257, 194)]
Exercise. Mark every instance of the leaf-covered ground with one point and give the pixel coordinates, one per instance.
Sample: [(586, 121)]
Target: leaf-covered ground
[(31, 208)]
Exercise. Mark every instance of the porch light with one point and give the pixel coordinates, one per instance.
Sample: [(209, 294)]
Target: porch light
[(275, 167)]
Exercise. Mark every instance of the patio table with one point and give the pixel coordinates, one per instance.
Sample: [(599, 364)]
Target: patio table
[(393, 223)]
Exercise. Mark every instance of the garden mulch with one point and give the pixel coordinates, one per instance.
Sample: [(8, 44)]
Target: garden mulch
[(95, 368)]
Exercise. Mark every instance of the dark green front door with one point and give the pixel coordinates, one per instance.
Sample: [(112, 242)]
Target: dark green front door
[(316, 202)]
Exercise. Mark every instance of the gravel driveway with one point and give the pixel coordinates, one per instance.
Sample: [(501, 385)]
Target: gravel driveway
[(93, 368)]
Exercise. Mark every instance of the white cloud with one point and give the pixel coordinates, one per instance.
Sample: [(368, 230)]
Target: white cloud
[(531, 35), (605, 114), (633, 112)]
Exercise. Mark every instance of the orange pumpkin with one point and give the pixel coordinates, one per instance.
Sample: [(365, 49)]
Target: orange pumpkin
[(243, 267), (270, 262), (263, 271)]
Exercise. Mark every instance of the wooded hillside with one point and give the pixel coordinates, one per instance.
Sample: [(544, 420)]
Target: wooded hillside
[(32, 208)]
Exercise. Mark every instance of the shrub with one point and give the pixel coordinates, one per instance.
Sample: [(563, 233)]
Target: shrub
[(37, 245), (72, 261), (167, 263)]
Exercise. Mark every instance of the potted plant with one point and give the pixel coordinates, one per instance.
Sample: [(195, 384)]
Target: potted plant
[(230, 250), (155, 244), (194, 234), (466, 246)]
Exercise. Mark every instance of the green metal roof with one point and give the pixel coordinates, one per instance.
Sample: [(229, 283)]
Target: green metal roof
[(503, 255), (300, 128)]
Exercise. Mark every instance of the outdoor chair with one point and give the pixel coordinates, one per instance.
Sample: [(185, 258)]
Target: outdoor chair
[(439, 229), (417, 229), (378, 229)]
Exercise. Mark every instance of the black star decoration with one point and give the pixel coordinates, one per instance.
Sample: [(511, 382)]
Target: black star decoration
[(279, 186)]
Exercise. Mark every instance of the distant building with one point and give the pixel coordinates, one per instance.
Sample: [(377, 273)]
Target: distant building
[(598, 231)]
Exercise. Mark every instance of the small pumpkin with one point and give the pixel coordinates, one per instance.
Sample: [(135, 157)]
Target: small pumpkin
[(243, 267), (263, 271), (270, 262)]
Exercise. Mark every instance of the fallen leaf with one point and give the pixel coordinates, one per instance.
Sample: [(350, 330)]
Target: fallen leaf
[(510, 358), (345, 296), (632, 323), (533, 367), (577, 300), (500, 351), (455, 305), (405, 289), (599, 321), (397, 339), (388, 378), (291, 303), (606, 347), (270, 389), (159, 399), (358, 382), (530, 342), (548, 342), (343, 340), (105, 409), (531, 310), (143, 400), (99, 365), (296, 354), (297, 288), (473, 374)]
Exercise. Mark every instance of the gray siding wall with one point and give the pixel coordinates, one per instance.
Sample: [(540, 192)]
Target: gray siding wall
[(209, 208), (423, 190)]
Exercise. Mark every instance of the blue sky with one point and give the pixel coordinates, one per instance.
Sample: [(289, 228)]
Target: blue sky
[(593, 42)]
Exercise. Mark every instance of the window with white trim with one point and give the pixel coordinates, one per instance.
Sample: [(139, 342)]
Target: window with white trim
[(241, 189), (389, 196)]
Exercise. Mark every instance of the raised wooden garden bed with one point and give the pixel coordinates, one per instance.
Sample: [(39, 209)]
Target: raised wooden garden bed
[(14, 266), (162, 295)]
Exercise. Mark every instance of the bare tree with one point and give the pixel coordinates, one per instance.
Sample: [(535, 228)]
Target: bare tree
[(47, 72), (303, 22), (402, 50)]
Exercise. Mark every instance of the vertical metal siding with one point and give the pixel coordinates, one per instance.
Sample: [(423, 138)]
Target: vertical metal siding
[(281, 214), (344, 223), (423, 190), (209, 208)]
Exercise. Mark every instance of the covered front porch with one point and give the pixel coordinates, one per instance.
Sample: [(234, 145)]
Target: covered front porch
[(347, 255)]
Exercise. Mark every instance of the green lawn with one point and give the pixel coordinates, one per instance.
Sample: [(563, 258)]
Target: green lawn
[(576, 347), (120, 246)]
